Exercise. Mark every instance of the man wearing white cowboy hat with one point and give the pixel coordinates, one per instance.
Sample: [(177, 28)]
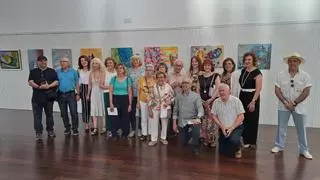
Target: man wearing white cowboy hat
[(292, 87)]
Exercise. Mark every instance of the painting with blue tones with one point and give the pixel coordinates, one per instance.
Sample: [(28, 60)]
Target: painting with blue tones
[(262, 52), (122, 55)]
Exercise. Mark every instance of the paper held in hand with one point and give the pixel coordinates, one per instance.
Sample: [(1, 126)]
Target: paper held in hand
[(194, 121), (114, 113)]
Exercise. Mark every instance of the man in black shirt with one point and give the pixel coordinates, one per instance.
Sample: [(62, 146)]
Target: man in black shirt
[(43, 81)]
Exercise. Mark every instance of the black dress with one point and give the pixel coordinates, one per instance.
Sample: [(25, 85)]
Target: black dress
[(247, 81)]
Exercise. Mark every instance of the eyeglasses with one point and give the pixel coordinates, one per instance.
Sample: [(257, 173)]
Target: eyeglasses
[(292, 83)]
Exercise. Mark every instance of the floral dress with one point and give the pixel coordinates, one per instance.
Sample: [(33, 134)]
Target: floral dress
[(161, 97)]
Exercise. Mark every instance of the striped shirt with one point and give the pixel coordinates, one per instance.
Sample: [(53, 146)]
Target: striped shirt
[(187, 107), (227, 112)]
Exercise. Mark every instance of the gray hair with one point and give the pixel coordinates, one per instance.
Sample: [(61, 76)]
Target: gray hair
[(224, 86)]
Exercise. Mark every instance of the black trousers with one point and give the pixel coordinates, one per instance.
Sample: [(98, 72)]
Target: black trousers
[(251, 119), (37, 109), (122, 121)]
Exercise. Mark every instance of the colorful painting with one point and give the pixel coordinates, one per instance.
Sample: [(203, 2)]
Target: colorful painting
[(10, 59), (33, 54), (262, 51), (91, 52), (122, 55), (155, 55), (214, 53), (57, 54)]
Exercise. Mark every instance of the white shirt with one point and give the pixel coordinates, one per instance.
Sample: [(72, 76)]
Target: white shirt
[(300, 81), (84, 76), (109, 76), (227, 112)]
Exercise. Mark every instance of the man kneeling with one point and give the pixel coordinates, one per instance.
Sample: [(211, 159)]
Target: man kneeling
[(228, 113)]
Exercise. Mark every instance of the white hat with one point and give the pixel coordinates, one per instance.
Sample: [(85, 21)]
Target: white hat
[(295, 56)]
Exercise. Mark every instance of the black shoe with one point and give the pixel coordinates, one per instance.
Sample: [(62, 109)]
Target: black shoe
[(75, 133), (94, 132), (196, 151), (39, 136), (67, 132), (51, 134), (87, 131)]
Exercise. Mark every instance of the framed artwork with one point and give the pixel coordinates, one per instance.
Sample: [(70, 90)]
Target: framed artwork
[(165, 54), (57, 54), (213, 53), (10, 60), (33, 54), (122, 55), (91, 52), (262, 52)]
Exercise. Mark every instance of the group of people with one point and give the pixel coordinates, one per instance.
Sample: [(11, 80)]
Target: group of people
[(202, 106)]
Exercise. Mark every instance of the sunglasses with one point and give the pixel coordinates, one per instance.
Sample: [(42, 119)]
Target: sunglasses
[(292, 83)]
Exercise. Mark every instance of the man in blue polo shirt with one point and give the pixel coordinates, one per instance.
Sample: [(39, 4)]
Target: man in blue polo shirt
[(68, 86)]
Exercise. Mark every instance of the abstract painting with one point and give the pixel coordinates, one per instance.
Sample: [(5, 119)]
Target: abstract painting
[(33, 54), (262, 52), (122, 55), (213, 53), (57, 54), (91, 52), (10, 59), (155, 55)]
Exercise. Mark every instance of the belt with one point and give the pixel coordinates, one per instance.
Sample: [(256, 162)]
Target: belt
[(68, 92), (248, 90)]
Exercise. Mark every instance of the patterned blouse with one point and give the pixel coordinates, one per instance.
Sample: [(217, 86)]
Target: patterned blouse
[(161, 97), (135, 74), (195, 86), (226, 78)]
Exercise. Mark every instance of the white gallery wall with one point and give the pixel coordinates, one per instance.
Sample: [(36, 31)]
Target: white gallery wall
[(288, 25)]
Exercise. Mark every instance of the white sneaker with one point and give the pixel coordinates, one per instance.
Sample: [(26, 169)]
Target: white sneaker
[(275, 149), (307, 155), (246, 145), (131, 134), (163, 141), (152, 143)]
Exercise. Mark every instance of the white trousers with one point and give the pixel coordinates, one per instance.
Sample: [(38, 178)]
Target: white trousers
[(144, 119), (154, 128)]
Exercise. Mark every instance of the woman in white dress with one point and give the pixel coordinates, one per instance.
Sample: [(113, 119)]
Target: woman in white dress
[(96, 84)]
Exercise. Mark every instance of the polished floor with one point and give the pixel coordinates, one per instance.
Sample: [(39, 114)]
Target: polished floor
[(85, 157)]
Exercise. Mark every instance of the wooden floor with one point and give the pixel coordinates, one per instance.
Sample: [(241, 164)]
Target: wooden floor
[(85, 157)]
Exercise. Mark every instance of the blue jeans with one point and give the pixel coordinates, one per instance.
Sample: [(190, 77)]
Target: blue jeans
[(37, 109), (300, 123), (188, 132), (66, 100), (230, 145)]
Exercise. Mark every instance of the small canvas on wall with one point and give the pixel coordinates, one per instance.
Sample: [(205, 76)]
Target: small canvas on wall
[(91, 52), (165, 54), (10, 59), (33, 54), (57, 54), (213, 53), (122, 55), (262, 52)]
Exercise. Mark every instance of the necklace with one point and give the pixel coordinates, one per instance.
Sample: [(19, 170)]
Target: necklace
[(205, 83), (244, 80)]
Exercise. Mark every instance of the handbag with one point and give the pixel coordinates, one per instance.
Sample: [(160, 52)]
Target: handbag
[(211, 89), (52, 94)]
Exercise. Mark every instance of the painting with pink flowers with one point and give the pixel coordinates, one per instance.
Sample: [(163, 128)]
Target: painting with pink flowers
[(155, 55)]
